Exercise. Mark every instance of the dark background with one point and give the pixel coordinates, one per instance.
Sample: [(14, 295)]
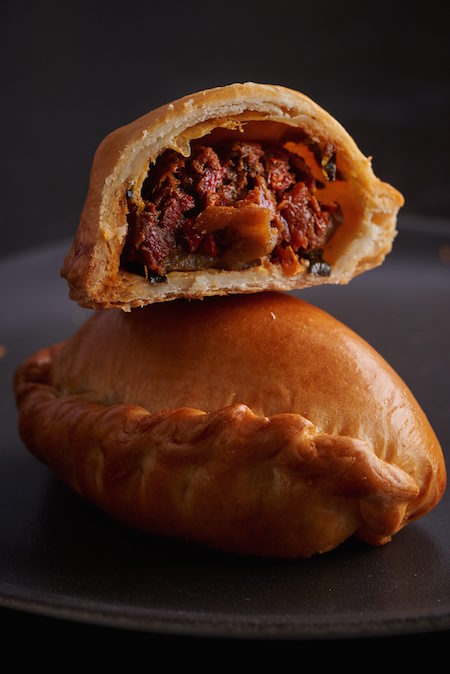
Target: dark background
[(76, 70), (73, 71)]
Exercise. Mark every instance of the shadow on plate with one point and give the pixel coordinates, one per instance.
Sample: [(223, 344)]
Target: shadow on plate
[(86, 551)]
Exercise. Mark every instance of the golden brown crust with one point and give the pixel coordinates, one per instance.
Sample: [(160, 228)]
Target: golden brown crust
[(92, 264), (338, 447)]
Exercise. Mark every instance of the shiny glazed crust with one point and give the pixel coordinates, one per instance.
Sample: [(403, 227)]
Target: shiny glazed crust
[(128, 414), (92, 266)]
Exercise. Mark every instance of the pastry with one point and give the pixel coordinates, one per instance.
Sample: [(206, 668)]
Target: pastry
[(253, 424), (237, 189)]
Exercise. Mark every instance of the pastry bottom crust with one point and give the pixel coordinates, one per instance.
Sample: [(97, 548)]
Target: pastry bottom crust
[(229, 479)]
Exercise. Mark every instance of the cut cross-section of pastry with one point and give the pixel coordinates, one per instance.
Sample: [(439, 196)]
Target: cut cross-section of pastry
[(270, 428), (237, 189)]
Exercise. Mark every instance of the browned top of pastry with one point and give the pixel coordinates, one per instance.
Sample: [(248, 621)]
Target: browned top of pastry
[(119, 213), (272, 352)]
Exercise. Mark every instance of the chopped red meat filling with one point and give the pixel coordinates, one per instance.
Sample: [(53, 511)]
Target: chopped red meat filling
[(187, 207)]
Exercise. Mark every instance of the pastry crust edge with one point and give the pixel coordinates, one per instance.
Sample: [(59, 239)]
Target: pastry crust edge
[(92, 264), (229, 479)]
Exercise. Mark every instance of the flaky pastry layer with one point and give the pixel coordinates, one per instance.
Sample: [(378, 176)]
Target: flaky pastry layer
[(265, 112)]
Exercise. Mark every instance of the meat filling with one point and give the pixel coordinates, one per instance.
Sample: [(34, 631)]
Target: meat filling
[(228, 208)]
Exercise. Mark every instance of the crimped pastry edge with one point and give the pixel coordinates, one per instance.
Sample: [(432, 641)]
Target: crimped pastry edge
[(183, 472)]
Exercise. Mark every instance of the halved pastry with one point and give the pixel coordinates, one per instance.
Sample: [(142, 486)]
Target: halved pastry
[(237, 189), (268, 428)]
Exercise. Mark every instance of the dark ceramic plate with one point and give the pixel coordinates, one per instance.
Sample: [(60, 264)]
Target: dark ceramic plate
[(62, 557)]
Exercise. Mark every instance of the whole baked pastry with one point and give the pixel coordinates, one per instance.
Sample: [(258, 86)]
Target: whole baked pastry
[(236, 189), (254, 424)]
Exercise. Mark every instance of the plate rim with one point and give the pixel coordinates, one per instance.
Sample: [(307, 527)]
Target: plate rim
[(176, 622)]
